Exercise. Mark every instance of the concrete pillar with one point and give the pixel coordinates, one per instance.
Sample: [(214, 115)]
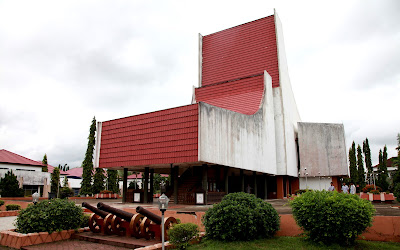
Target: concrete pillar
[(205, 181), (146, 185), (226, 177), (151, 184), (265, 186), (176, 174), (125, 185), (241, 180), (255, 182), (279, 187), (21, 182), (45, 189)]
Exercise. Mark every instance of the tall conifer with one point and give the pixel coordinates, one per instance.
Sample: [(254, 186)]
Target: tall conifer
[(360, 168), (87, 165), (44, 162), (353, 163), (367, 157), (98, 181)]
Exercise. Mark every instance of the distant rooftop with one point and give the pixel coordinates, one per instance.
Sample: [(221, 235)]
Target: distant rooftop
[(13, 158)]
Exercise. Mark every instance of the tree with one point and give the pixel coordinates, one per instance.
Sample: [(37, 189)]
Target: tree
[(65, 182), (112, 181), (87, 175), (98, 181), (382, 169), (158, 178), (44, 162), (353, 164), (367, 155), (55, 181), (396, 177), (360, 168), (9, 186)]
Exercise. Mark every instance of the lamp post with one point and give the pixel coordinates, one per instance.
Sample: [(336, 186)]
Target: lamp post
[(35, 198), (163, 205), (305, 170), (319, 179)]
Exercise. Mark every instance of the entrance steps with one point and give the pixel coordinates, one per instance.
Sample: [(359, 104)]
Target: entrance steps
[(114, 240)]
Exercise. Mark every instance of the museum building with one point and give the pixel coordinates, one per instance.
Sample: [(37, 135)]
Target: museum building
[(242, 131)]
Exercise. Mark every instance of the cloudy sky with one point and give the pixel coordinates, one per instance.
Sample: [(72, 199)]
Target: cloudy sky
[(63, 62)]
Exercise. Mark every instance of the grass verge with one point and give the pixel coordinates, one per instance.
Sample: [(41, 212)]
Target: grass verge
[(289, 243)]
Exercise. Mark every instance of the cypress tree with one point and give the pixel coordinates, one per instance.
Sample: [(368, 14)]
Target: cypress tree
[(360, 168), (44, 162), (353, 163), (87, 165), (55, 181), (112, 181), (98, 181), (367, 156), (383, 175)]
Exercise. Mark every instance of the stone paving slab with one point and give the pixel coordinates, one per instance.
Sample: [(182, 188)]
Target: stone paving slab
[(74, 244)]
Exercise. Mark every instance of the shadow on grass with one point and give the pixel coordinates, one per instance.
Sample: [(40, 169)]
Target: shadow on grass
[(290, 243)]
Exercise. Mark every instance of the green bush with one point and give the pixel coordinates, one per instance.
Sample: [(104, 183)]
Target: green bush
[(49, 216), (181, 234), (85, 220), (241, 216), (374, 192), (66, 192), (396, 192), (332, 217), (1, 203), (11, 207), (300, 191), (9, 186)]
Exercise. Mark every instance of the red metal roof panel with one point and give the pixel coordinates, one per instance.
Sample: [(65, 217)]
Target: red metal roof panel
[(161, 137), (10, 157), (241, 51)]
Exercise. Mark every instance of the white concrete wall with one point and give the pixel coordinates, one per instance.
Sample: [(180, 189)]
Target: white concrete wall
[(316, 183), (17, 166), (237, 140), (322, 149), (286, 113), (29, 177)]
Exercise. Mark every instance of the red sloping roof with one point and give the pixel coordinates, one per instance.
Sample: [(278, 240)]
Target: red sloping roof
[(77, 172), (50, 169), (242, 96), (241, 51), (161, 137), (10, 157)]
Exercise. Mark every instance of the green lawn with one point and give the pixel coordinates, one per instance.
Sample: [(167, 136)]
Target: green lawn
[(293, 243)]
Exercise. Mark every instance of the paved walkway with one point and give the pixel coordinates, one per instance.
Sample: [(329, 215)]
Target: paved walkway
[(6, 223)]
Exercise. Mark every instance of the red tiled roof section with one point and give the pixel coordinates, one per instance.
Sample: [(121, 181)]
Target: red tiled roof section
[(241, 51), (10, 157), (242, 96), (161, 137)]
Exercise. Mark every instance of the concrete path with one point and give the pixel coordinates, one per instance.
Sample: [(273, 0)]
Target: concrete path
[(7, 223)]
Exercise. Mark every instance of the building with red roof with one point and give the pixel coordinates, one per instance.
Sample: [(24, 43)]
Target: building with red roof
[(240, 133), (29, 172)]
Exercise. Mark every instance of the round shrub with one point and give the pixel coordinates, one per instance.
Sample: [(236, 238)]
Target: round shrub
[(241, 216), (49, 216), (11, 207), (181, 234), (332, 217), (66, 192), (1, 203)]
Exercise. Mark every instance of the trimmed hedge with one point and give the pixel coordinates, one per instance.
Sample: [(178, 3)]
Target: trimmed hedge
[(369, 188), (241, 216), (11, 207), (332, 217), (181, 234), (1, 203), (49, 216)]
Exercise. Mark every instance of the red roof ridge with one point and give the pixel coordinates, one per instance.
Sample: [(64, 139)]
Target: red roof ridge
[(240, 25), (10, 157)]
